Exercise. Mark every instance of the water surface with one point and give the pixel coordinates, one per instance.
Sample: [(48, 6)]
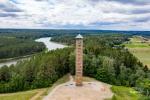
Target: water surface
[(49, 45)]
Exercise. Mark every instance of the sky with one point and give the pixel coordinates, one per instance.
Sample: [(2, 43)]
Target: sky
[(76, 14)]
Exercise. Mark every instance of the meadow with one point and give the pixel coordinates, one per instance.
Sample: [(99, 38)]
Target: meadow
[(19, 95), (140, 48), (126, 93)]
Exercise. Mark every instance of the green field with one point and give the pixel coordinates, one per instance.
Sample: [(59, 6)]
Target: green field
[(140, 48), (126, 93), (19, 95)]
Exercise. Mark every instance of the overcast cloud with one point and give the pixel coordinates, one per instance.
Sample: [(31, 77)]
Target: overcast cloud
[(76, 14)]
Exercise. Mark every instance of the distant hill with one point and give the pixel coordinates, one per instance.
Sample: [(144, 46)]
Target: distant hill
[(36, 33)]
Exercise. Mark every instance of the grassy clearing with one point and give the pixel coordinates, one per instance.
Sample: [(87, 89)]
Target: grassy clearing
[(41, 93), (126, 93), (19, 95), (27, 95), (137, 45), (140, 48)]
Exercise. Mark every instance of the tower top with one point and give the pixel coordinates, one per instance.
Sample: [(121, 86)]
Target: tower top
[(79, 36)]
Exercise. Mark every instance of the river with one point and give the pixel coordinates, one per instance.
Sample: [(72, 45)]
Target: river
[(49, 45)]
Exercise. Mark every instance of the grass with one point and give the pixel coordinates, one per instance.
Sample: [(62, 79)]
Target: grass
[(137, 45), (140, 48), (27, 95), (19, 95), (58, 82), (125, 93), (40, 96)]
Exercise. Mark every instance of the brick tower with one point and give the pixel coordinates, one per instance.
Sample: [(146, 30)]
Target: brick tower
[(79, 60)]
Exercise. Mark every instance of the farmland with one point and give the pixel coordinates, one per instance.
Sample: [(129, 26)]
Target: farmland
[(140, 48)]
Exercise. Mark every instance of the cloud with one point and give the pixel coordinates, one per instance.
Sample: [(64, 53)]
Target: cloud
[(142, 19), (7, 15), (140, 11), (7, 6), (94, 14), (134, 2)]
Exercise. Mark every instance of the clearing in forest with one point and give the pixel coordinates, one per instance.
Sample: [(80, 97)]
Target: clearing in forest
[(93, 90), (140, 47)]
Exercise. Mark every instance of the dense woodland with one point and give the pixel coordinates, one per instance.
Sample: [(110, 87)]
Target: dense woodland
[(20, 42), (14, 47), (42, 70), (104, 59)]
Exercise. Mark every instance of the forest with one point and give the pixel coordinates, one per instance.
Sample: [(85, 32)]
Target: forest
[(21, 42), (15, 47), (42, 70), (104, 59)]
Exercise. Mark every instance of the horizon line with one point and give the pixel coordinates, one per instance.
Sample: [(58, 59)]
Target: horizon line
[(70, 29)]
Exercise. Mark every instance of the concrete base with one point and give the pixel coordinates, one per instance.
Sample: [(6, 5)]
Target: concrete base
[(79, 84), (89, 91), (79, 81)]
